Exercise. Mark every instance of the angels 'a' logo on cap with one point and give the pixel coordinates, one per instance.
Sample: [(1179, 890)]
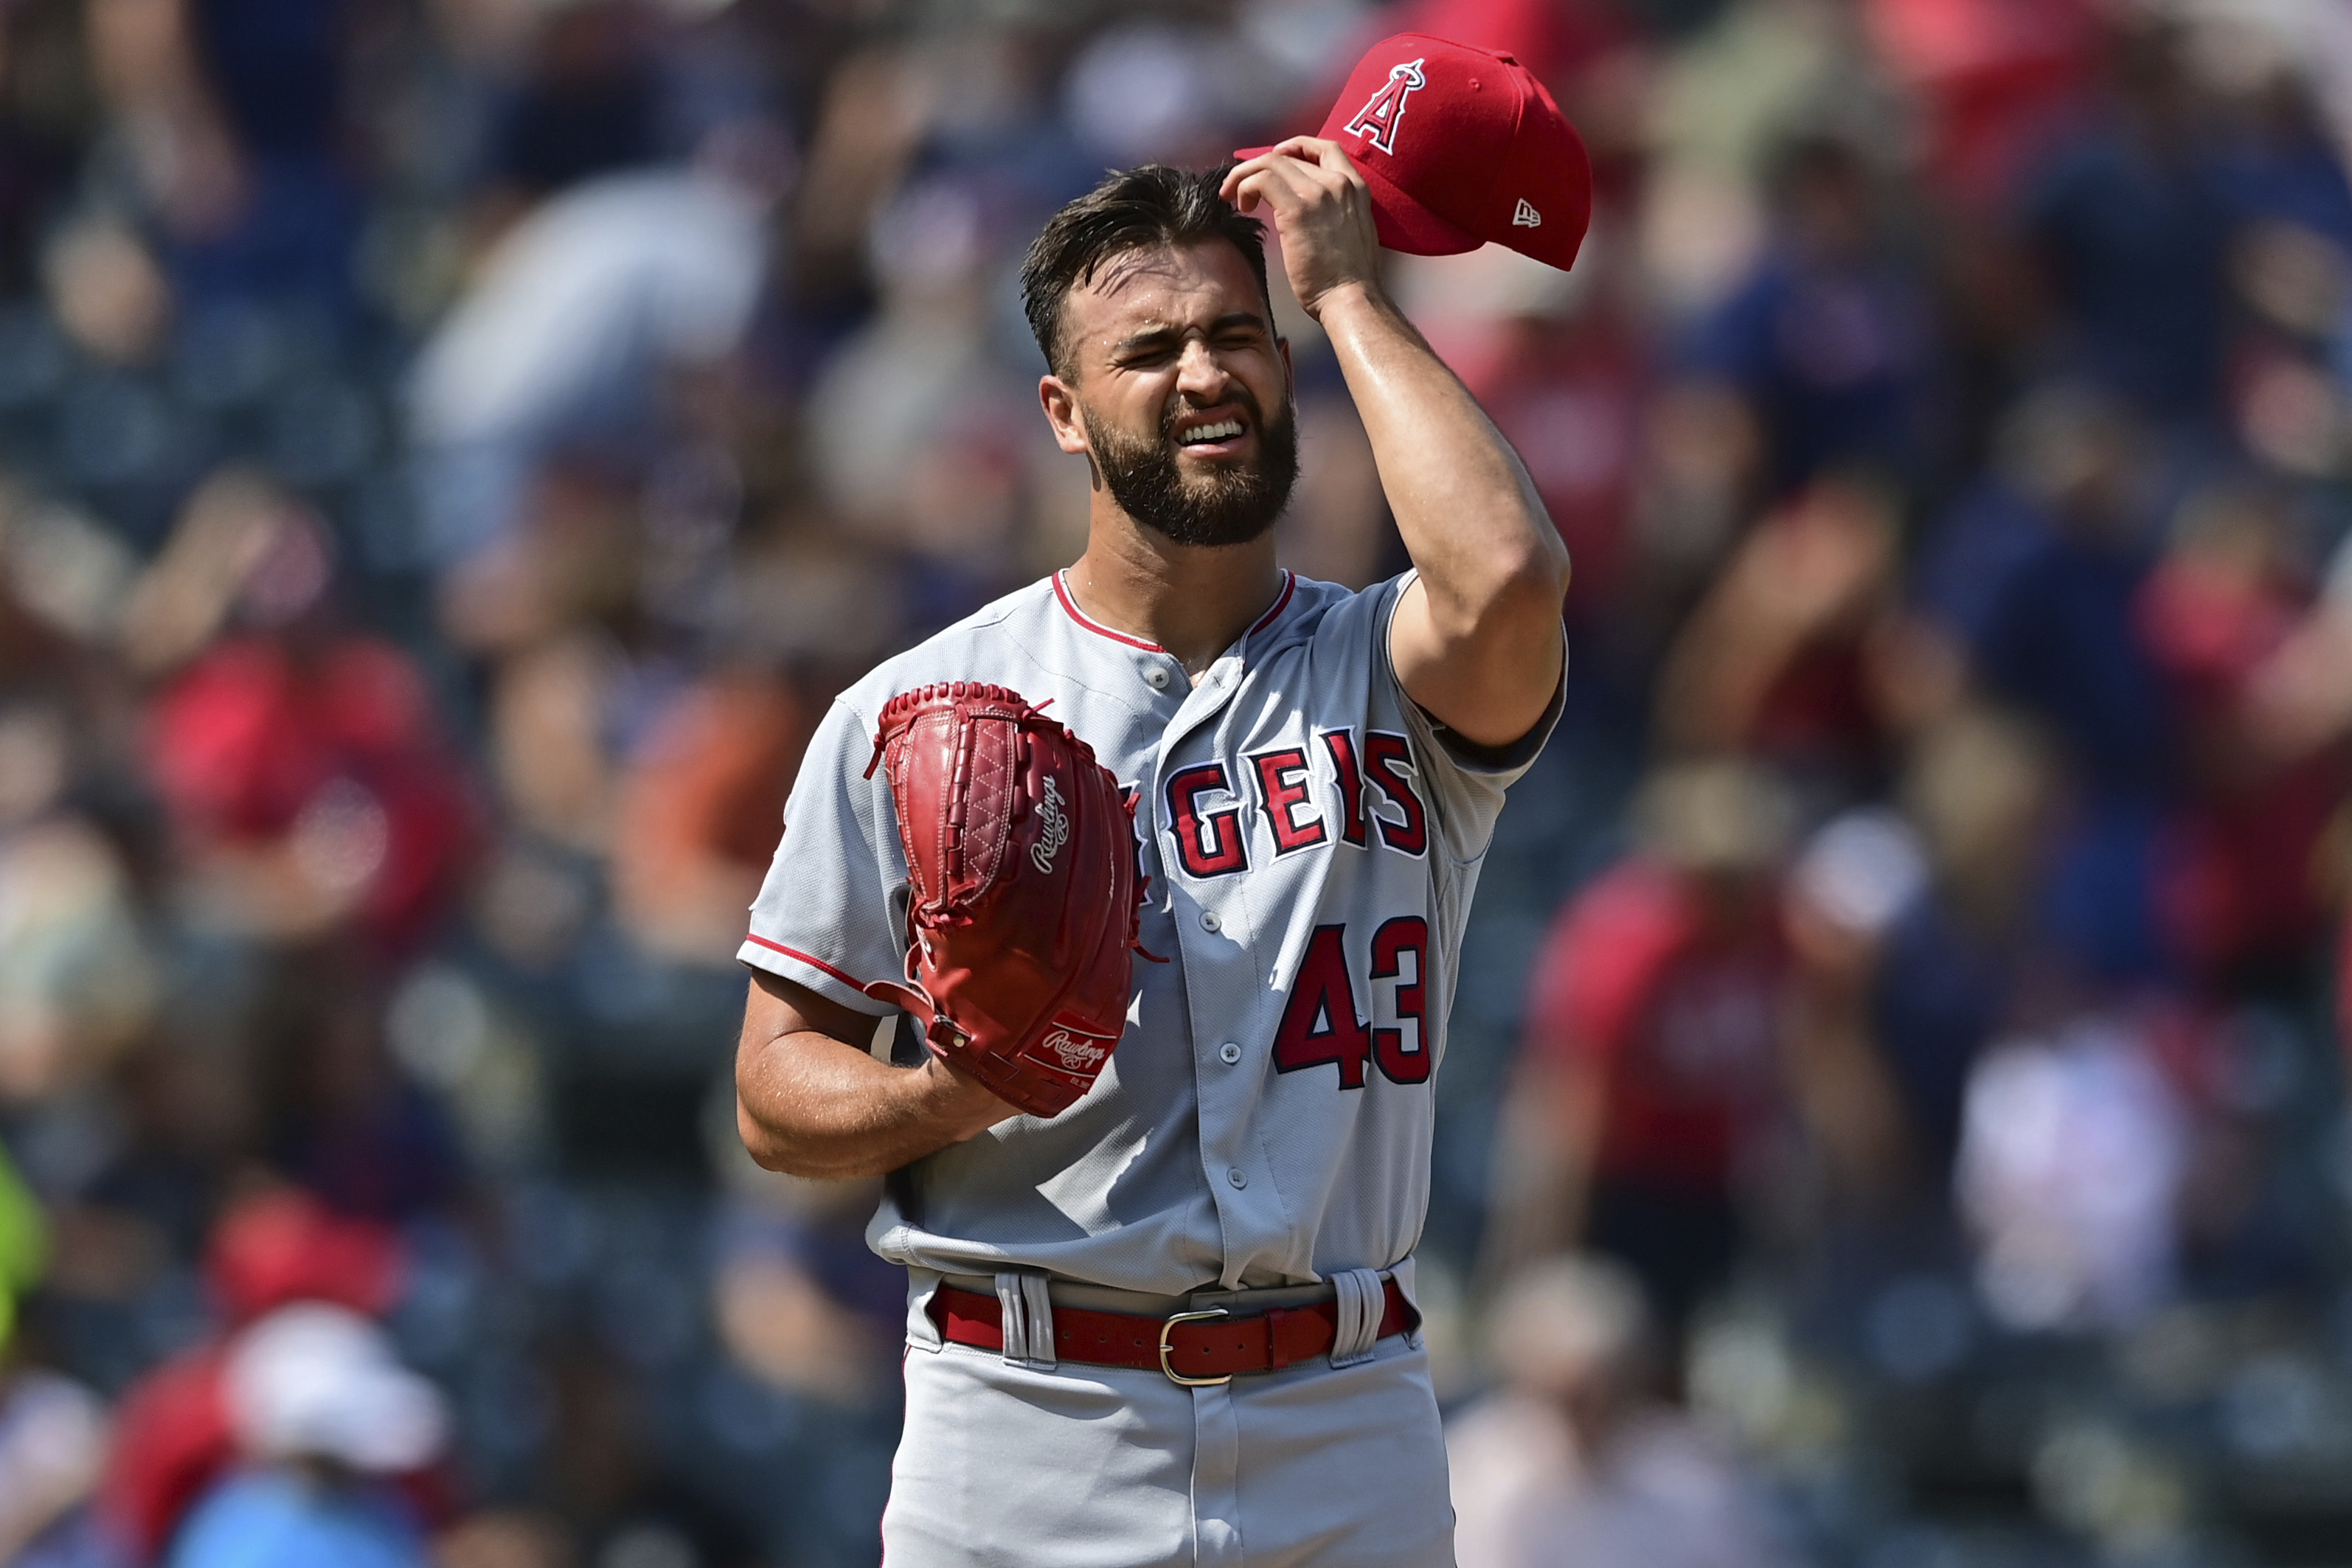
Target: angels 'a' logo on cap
[(1377, 120), (1527, 217)]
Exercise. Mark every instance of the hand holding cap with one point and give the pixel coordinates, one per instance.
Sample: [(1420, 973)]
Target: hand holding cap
[(1461, 147)]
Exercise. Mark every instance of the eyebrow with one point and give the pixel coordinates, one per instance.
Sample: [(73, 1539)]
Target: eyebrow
[(1151, 336)]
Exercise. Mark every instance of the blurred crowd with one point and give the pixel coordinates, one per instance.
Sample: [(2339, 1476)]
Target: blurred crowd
[(451, 453)]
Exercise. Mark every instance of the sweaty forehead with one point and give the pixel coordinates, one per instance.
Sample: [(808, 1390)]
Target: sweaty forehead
[(1138, 290)]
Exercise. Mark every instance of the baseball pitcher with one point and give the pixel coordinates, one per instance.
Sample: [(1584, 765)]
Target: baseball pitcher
[(1161, 864)]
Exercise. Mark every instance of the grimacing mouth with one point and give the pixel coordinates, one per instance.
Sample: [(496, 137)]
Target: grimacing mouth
[(1213, 430), (1226, 419)]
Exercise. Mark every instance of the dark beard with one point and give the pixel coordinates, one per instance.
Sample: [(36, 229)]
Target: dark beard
[(1237, 504)]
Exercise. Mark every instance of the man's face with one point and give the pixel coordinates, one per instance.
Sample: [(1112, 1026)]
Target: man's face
[(1183, 393)]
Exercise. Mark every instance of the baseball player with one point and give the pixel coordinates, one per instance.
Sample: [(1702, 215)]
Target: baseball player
[(1174, 1322)]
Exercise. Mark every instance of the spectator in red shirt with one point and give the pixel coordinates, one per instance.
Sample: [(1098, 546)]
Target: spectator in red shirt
[(1653, 1058), (173, 1437), (1774, 661), (2240, 901), (309, 787)]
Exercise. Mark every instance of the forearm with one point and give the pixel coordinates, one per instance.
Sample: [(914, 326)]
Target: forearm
[(1542, 1171), (1476, 640), (1464, 504), (145, 64), (1716, 676), (811, 1105)]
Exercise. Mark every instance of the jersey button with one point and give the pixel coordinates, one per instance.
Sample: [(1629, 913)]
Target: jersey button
[(1237, 1176), (1155, 676), (1229, 1052), (1208, 921)]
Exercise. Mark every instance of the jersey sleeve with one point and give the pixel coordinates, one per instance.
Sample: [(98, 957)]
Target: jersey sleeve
[(830, 914), (1467, 780)]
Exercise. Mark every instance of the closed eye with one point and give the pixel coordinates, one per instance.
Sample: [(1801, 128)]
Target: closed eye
[(1237, 331)]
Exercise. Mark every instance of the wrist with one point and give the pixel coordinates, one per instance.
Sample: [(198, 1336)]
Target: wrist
[(958, 1100), (1344, 303)]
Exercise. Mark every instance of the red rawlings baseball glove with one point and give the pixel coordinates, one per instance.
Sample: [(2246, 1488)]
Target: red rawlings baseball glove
[(1026, 897)]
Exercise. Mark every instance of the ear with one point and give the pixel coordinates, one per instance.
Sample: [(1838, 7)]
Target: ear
[(1289, 372), (1060, 401)]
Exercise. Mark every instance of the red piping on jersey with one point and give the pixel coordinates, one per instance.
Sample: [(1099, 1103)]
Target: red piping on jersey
[(1062, 592), (1289, 586), (814, 963)]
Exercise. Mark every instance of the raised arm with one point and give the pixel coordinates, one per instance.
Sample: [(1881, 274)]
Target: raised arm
[(1476, 639), (812, 1102)]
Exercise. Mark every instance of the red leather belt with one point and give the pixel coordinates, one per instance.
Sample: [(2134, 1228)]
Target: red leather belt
[(1192, 1348)]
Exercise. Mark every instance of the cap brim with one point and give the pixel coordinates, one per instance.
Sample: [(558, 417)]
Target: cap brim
[(1404, 223)]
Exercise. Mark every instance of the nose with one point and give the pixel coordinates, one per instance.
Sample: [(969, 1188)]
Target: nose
[(1200, 376)]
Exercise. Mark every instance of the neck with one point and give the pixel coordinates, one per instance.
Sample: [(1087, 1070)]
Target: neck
[(1193, 600)]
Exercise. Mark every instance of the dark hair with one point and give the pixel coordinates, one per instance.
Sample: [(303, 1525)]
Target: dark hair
[(1144, 208)]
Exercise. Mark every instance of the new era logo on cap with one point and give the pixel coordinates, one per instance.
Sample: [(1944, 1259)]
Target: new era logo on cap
[(1488, 156)]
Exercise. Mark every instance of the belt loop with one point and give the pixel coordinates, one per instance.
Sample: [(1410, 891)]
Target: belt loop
[(1028, 1315), (1361, 1300)]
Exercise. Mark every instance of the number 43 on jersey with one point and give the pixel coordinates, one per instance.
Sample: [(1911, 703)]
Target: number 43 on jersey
[(1321, 1023)]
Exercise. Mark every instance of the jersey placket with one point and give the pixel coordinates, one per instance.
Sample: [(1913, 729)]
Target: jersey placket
[(1218, 972), (1221, 968)]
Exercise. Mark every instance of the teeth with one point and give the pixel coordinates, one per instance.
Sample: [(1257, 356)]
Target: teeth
[(1217, 432)]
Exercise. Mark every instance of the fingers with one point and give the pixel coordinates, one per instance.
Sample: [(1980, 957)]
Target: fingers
[(1322, 210), (1321, 151), (1289, 187), (1247, 184), (1270, 185), (1305, 164)]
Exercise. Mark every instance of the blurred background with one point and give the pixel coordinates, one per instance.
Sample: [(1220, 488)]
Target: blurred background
[(451, 451)]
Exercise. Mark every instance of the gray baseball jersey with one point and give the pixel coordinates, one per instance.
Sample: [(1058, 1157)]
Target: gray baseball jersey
[(1312, 840)]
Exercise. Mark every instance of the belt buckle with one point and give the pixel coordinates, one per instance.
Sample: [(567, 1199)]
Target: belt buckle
[(1168, 1327)]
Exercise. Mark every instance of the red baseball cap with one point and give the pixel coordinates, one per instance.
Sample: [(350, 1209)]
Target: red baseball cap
[(1461, 146), (285, 1245)]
